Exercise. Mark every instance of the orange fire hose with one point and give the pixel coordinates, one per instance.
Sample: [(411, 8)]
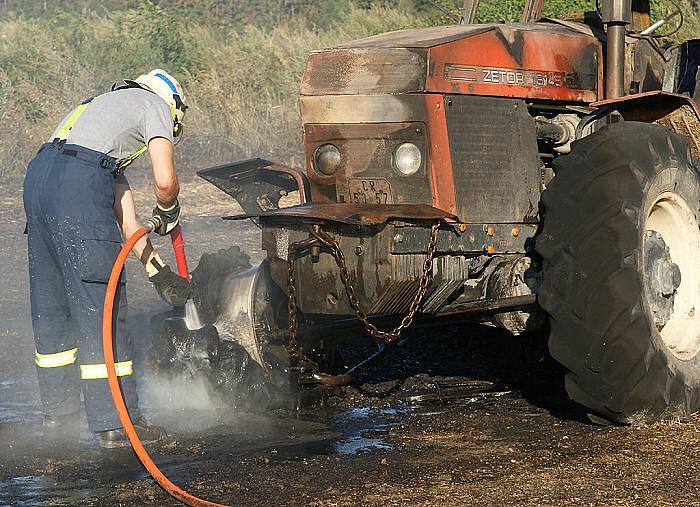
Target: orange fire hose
[(122, 411)]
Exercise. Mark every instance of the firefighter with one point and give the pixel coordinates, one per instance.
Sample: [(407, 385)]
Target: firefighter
[(78, 205)]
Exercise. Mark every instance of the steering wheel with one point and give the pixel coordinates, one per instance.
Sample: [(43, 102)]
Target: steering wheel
[(655, 26)]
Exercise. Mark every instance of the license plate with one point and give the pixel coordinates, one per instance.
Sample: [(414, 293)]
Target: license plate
[(369, 191)]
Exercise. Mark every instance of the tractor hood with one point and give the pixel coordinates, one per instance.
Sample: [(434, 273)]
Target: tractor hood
[(545, 60)]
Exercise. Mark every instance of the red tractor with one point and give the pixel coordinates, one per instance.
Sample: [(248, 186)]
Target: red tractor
[(541, 174)]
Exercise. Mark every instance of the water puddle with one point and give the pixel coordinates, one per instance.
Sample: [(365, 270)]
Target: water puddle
[(454, 390), (361, 429), (19, 400), (33, 490)]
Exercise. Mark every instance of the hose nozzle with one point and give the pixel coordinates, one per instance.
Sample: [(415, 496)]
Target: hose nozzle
[(152, 224)]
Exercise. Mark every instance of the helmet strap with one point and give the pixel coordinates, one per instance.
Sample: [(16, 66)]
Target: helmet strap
[(178, 129), (177, 124), (125, 84)]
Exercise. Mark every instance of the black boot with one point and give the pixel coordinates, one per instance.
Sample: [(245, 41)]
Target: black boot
[(114, 439), (62, 427)]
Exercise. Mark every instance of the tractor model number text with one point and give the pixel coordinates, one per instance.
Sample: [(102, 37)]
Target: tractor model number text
[(503, 76), (515, 77)]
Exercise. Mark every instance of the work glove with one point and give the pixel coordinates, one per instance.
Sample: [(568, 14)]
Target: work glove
[(174, 289), (168, 218)]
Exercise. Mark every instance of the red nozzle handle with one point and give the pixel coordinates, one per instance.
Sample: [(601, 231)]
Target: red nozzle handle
[(179, 248)]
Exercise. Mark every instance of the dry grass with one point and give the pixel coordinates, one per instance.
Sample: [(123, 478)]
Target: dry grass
[(242, 80)]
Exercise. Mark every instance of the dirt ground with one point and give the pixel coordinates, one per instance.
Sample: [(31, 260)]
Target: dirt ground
[(456, 416)]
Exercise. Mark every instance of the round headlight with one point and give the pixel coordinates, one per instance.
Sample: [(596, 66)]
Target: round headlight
[(327, 159), (408, 159)]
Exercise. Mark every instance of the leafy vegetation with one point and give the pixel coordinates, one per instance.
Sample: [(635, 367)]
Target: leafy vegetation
[(240, 61)]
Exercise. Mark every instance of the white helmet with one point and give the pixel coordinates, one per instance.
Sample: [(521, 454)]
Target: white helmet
[(169, 89)]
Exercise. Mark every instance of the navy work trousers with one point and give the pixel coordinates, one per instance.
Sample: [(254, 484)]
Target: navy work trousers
[(74, 240)]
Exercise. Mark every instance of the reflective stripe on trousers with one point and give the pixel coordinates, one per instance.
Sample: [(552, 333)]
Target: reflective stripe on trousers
[(87, 371), (57, 359), (94, 371)]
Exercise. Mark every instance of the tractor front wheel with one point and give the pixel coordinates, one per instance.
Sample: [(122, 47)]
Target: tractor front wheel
[(621, 265)]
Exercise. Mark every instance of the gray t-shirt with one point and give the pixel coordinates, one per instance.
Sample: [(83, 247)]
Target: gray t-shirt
[(119, 123)]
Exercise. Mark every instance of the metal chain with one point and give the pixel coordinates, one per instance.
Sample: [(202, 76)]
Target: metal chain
[(294, 348), (319, 236)]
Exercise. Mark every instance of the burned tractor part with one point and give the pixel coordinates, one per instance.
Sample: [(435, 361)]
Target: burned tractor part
[(237, 321), (682, 73), (249, 300), (250, 316), (466, 238), (555, 132), (239, 303), (416, 301), (547, 61), (515, 279), (257, 185), (678, 113), (211, 272), (299, 252), (620, 248), (355, 215), (321, 238)]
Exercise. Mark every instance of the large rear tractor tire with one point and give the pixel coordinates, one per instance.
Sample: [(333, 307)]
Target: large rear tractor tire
[(621, 265)]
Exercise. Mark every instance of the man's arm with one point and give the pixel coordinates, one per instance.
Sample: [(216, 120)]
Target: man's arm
[(174, 289), (125, 213), (166, 187)]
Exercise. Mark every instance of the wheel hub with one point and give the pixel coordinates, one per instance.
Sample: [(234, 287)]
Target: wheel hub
[(663, 278), (671, 259)]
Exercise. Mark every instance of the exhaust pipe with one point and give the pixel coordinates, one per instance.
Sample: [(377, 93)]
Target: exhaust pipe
[(617, 14)]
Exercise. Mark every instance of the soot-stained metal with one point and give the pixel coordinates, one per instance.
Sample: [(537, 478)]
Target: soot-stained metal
[(539, 61), (257, 184), (469, 98), (463, 238), (676, 112), (493, 184), (536, 60), (366, 174)]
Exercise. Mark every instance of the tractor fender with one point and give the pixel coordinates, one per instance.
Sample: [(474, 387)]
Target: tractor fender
[(678, 113)]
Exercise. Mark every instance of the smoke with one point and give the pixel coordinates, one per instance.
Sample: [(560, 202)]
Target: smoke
[(181, 393), (184, 403)]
